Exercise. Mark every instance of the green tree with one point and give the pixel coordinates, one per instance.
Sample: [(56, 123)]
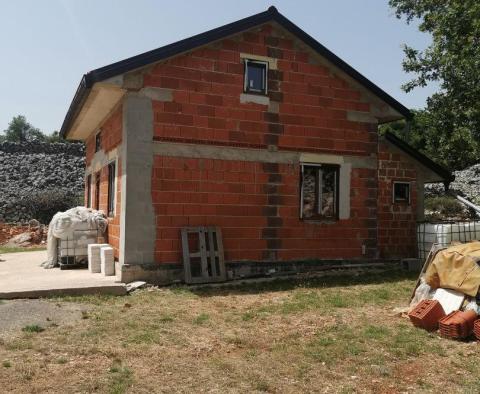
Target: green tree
[(452, 60), (19, 130), (453, 148)]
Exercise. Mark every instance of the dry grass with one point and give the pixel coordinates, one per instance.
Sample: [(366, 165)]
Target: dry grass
[(329, 335)]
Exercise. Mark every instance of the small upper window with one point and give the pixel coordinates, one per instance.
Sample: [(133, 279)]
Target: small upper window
[(319, 191), (256, 76), (98, 141), (401, 192)]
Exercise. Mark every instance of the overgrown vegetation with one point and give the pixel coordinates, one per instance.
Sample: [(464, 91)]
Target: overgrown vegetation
[(338, 333), (46, 203), (445, 207)]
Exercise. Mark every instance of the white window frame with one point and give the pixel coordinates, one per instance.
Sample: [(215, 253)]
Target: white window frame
[(115, 178), (337, 189), (246, 89), (409, 192)]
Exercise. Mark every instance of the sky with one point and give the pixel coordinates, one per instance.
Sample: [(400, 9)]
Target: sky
[(46, 46)]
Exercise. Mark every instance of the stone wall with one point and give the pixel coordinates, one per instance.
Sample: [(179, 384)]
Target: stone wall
[(37, 179)]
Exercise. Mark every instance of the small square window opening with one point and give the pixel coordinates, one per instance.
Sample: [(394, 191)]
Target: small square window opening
[(98, 141), (401, 192), (256, 77), (319, 191)]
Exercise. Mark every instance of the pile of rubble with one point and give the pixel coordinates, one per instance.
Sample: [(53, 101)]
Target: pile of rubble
[(466, 183), (35, 177), (31, 234), (447, 294)]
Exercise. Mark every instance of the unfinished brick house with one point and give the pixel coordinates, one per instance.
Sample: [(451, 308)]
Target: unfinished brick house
[(258, 129)]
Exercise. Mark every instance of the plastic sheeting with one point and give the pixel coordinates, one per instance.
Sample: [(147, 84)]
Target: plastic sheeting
[(64, 225)]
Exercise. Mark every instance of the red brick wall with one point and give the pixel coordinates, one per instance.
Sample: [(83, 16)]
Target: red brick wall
[(257, 204), (396, 221), (111, 138), (111, 135), (207, 84), (257, 207)]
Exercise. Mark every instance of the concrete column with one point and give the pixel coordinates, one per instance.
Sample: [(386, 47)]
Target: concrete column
[(137, 229)]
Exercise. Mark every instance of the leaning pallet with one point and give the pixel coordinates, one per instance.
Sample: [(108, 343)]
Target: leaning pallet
[(203, 260)]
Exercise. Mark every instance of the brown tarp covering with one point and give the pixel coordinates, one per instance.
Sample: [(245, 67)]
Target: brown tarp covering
[(456, 268)]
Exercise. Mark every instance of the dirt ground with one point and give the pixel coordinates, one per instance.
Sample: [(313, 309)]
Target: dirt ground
[(38, 233), (329, 335)]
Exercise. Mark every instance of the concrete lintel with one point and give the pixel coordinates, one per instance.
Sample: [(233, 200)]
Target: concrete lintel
[(101, 159), (259, 155), (254, 98), (364, 117), (158, 94), (272, 62)]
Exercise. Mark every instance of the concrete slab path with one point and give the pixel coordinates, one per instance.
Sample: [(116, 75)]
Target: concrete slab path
[(22, 277)]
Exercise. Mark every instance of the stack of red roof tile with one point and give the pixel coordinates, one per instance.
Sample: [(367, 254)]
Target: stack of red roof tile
[(476, 329), (427, 314), (457, 324)]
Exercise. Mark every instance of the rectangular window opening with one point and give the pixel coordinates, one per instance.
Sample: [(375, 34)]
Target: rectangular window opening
[(111, 189), (97, 191), (401, 192), (89, 191), (319, 191), (256, 73), (98, 141)]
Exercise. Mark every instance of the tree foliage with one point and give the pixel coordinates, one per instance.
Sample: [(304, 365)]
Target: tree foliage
[(20, 130), (451, 120)]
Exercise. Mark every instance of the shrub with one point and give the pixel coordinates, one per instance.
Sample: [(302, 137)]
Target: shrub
[(44, 204), (445, 207)]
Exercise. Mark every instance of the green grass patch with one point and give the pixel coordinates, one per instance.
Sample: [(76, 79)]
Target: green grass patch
[(121, 378), (6, 364), (202, 318), (7, 249), (33, 328)]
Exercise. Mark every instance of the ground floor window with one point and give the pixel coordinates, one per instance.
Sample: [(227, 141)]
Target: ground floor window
[(97, 191), (89, 191), (319, 191), (401, 192), (111, 189)]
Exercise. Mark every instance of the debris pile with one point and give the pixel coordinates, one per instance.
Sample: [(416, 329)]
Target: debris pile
[(447, 292), (37, 177), (31, 234)]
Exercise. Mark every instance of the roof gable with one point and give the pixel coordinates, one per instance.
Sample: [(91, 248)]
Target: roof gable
[(167, 51)]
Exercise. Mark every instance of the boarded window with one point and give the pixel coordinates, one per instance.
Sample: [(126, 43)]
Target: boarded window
[(319, 191), (111, 189), (89, 191), (401, 192)]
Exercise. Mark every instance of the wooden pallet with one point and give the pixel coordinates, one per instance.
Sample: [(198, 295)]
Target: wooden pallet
[(208, 252)]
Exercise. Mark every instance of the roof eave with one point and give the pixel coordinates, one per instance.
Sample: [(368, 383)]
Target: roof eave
[(420, 157)]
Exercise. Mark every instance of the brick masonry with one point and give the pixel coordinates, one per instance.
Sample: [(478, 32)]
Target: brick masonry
[(257, 207), (396, 221), (257, 204), (111, 138)]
